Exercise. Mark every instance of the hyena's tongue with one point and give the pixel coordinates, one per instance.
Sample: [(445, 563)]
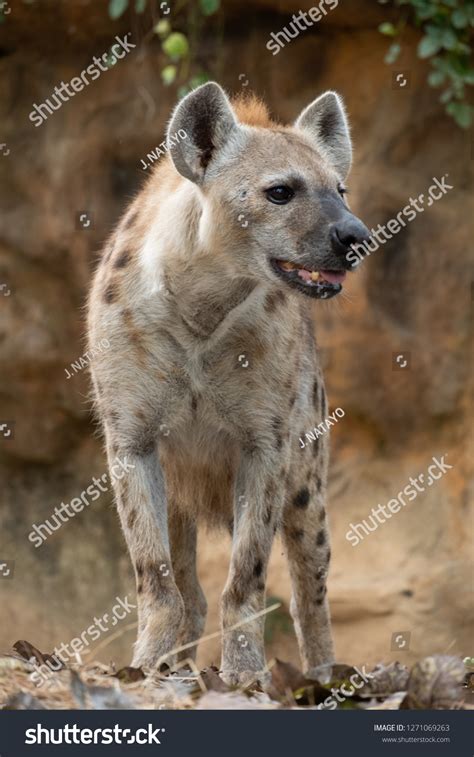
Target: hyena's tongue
[(334, 277)]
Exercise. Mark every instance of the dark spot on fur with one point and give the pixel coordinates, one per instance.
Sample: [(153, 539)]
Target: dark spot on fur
[(320, 601), (316, 447), (139, 588), (260, 586), (321, 538), (139, 569), (328, 556), (131, 518), (315, 393), (268, 515), (273, 299), (194, 403), (122, 260), (296, 534), (230, 526), (293, 400), (322, 590), (270, 490), (276, 424), (302, 498), (143, 444), (235, 595), (257, 571), (322, 515), (110, 293), (319, 482), (406, 593), (324, 404)]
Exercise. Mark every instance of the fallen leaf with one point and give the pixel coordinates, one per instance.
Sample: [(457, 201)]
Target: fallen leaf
[(130, 675), (385, 680), (287, 679), (212, 680), (435, 683), (28, 652)]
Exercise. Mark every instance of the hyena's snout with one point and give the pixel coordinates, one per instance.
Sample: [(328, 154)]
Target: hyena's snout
[(344, 233)]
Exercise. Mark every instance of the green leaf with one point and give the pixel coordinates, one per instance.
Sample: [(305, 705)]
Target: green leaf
[(436, 78), (176, 46), (168, 75), (393, 53), (449, 39), (140, 6), (162, 28), (208, 7), (428, 46), (117, 8), (462, 113), (388, 29), (446, 96), (460, 19)]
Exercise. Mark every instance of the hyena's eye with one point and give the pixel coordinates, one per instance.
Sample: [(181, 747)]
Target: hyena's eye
[(342, 189), (280, 195)]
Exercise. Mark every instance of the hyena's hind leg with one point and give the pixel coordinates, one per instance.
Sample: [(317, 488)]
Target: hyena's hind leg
[(306, 539), (183, 540), (141, 503)]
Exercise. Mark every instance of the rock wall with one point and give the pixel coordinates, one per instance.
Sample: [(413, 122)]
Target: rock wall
[(412, 297)]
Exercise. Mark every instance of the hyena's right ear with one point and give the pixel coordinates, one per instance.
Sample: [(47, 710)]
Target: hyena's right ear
[(207, 118)]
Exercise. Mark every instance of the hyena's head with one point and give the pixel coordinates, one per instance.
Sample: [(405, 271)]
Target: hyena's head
[(273, 196)]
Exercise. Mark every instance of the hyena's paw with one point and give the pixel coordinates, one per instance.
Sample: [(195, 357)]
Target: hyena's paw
[(244, 678), (243, 660), (158, 638)]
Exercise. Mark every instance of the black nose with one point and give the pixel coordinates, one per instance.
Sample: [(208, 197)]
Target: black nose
[(347, 232)]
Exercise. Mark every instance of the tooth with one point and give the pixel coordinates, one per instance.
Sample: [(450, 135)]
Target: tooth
[(314, 275)]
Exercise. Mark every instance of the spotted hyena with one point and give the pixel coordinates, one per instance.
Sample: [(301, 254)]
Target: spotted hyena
[(212, 376)]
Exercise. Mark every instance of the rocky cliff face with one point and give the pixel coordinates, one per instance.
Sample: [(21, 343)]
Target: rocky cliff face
[(412, 298)]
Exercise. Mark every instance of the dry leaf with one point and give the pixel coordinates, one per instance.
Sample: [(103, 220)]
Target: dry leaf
[(435, 683), (28, 652), (130, 675), (212, 680)]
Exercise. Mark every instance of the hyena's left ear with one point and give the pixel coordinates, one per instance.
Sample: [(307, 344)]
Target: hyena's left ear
[(207, 118), (325, 122)]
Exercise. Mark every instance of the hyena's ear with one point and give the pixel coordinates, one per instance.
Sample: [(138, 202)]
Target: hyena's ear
[(325, 122), (207, 118)]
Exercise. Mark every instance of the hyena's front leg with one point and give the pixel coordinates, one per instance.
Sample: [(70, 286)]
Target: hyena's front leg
[(306, 538), (141, 503), (257, 511), (183, 539)]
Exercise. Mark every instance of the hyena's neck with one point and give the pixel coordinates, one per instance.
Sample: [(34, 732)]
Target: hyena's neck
[(190, 268)]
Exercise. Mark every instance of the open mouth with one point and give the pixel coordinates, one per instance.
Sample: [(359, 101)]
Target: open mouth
[(320, 284)]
